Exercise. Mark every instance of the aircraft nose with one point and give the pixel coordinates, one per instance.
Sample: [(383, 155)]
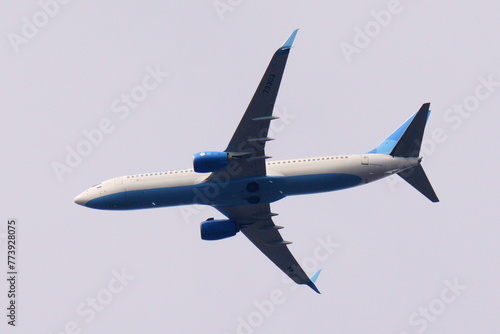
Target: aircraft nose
[(81, 199)]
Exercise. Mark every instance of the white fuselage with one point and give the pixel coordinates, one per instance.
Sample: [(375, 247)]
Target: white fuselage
[(284, 178)]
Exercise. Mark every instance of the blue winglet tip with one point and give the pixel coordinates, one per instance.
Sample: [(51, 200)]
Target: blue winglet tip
[(289, 42), (315, 276)]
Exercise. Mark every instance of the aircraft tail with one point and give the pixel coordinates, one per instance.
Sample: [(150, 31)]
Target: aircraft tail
[(405, 142)]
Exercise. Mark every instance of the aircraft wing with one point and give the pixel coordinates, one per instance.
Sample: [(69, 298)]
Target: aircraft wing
[(249, 139), (247, 149), (257, 225)]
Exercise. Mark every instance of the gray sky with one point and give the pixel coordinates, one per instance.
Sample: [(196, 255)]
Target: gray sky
[(392, 261)]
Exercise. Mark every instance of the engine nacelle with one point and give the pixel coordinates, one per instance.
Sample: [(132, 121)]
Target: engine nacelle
[(206, 162), (218, 229)]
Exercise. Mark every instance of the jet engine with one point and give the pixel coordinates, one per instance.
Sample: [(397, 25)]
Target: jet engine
[(218, 229), (206, 162)]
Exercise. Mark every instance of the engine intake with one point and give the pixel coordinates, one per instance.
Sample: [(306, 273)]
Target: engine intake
[(206, 162), (218, 229)]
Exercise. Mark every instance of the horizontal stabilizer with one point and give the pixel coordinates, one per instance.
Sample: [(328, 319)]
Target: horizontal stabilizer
[(417, 178)]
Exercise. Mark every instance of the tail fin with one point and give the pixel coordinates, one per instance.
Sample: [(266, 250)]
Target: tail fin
[(409, 143), (405, 142)]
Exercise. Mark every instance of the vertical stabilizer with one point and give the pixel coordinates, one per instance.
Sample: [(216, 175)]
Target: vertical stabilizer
[(409, 143), (399, 141)]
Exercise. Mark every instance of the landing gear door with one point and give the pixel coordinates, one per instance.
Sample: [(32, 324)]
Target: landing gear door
[(364, 159)]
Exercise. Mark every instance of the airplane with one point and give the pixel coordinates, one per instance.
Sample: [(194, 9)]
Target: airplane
[(241, 184)]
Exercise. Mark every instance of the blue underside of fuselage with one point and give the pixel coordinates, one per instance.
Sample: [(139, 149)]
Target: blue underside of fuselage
[(266, 189)]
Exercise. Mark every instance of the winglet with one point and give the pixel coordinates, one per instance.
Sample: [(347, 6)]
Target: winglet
[(313, 280), (288, 43), (315, 276)]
